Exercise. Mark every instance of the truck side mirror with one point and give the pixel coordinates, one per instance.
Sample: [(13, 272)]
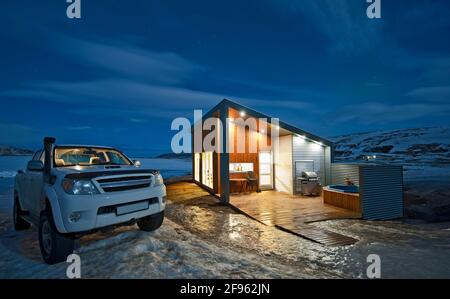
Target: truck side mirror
[(137, 163), (35, 165)]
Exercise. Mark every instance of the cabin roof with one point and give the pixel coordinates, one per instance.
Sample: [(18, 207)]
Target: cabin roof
[(232, 104)]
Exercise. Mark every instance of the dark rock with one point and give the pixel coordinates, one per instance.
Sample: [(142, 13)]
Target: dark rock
[(14, 151), (420, 149), (379, 149)]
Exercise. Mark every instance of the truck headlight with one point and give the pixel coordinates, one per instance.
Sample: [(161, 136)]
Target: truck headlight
[(158, 180), (79, 187)]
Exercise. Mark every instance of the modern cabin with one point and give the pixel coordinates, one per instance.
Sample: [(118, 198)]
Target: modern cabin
[(259, 163)]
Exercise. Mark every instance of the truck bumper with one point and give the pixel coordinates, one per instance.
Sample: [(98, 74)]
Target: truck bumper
[(82, 213)]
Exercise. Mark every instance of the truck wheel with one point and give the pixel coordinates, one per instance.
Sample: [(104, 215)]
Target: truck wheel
[(152, 222), (19, 223), (55, 247)]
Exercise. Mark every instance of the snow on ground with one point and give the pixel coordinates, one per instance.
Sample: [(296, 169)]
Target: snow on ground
[(169, 252), (205, 239), (427, 245)]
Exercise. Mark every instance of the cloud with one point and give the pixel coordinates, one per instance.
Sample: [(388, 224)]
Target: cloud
[(344, 23), (374, 84), (79, 128), (286, 104), (125, 97), (138, 121), (18, 134), (436, 93), (437, 69), (380, 113), (125, 60)]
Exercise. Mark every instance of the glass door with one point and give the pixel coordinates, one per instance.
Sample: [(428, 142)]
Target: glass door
[(207, 169), (197, 167), (265, 170)]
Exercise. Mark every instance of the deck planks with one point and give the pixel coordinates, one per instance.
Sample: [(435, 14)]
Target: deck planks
[(294, 213), (288, 213), (184, 191)]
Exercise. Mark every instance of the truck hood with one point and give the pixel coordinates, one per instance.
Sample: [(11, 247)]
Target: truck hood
[(89, 172)]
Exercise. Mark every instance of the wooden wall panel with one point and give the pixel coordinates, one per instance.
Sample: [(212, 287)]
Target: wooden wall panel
[(348, 201), (262, 141)]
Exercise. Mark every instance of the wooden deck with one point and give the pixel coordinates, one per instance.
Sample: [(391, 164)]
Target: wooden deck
[(288, 213), (293, 213), (180, 192)]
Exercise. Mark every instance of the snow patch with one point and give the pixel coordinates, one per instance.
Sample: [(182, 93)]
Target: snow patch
[(7, 174)]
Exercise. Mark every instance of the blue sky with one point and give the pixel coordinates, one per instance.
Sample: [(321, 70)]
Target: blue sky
[(119, 75)]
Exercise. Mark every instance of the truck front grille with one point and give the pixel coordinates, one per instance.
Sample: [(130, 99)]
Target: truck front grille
[(125, 183)]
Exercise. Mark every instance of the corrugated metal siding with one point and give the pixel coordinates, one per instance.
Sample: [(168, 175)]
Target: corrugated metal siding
[(305, 150), (381, 191), (341, 171), (327, 165)]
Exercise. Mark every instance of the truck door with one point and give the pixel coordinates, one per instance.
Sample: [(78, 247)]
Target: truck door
[(25, 182), (35, 187)]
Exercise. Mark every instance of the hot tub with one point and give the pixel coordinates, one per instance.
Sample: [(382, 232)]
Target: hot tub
[(345, 188), (342, 196)]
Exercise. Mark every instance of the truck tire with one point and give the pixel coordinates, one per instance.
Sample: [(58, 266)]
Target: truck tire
[(151, 223), (55, 247), (19, 222)]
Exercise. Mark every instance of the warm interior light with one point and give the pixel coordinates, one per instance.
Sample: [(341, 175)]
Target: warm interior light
[(262, 131), (242, 113)]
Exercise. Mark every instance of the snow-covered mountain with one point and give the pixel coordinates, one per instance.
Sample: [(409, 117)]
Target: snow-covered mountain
[(409, 147), (14, 151)]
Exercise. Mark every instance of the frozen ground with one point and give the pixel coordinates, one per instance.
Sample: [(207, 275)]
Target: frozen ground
[(407, 249), (205, 239), (170, 252)]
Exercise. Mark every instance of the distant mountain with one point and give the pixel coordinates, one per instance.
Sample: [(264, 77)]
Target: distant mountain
[(175, 156), (420, 146), (408, 147), (14, 151)]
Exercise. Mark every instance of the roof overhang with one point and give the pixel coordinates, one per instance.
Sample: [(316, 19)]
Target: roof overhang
[(225, 103)]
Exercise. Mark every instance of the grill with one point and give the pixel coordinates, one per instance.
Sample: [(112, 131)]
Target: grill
[(125, 183), (309, 183)]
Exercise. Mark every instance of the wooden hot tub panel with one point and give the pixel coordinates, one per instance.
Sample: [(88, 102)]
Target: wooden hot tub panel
[(349, 201)]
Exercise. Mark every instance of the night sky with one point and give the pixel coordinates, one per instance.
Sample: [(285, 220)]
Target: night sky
[(119, 75)]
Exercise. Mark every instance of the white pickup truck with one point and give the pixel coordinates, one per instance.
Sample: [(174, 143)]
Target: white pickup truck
[(68, 191)]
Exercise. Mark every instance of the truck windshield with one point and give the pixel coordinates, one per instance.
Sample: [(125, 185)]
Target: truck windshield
[(88, 156)]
